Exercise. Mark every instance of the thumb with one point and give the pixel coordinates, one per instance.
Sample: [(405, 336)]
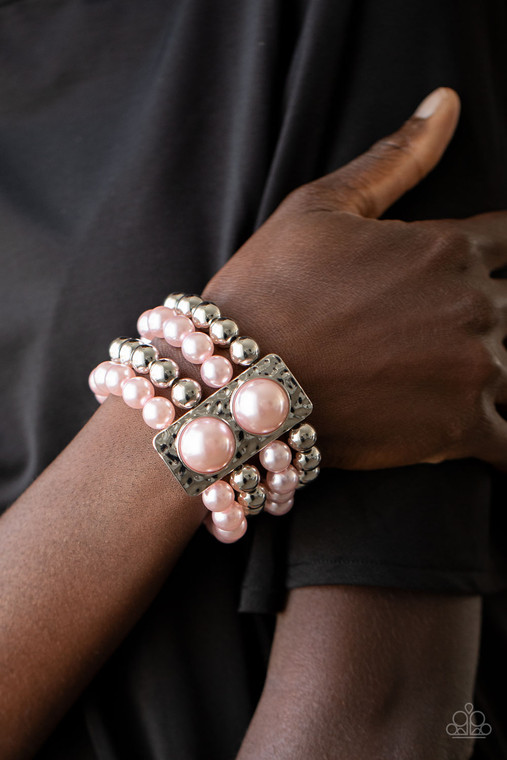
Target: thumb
[(371, 183)]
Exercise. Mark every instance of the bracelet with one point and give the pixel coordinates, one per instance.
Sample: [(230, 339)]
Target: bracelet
[(218, 437)]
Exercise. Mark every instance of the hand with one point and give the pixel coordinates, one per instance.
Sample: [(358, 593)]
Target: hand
[(394, 329)]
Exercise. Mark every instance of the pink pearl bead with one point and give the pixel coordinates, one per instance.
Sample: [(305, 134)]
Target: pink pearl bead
[(275, 496), (99, 378), (100, 399), (176, 328), (116, 376), (229, 536), (278, 508), (260, 406), (218, 496), (156, 319), (216, 371), (143, 327), (197, 347), (137, 391), (206, 444), (158, 412), (229, 519), (276, 456), (92, 382), (283, 482)]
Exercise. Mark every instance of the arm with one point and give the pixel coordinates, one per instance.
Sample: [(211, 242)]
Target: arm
[(366, 673), (85, 549), (82, 554)]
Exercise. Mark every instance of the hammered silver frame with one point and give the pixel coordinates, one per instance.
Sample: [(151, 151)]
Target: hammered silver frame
[(219, 405)]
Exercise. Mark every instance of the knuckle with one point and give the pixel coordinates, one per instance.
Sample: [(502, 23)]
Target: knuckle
[(475, 371), (476, 312), (313, 196), (348, 189), (404, 137), (354, 190), (399, 142), (488, 367), (481, 369), (388, 149), (489, 250), (452, 249)]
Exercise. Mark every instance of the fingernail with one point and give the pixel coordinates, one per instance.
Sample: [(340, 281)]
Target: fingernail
[(430, 103)]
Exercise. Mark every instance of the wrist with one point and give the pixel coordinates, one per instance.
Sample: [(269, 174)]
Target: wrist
[(235, 428), (117, 445)]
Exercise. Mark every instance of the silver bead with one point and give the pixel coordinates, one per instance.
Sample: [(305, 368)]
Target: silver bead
[(142, 357), (306, 476), (252, 511), (223, 331), (127, 348), (307, 460), (172, 300), (187, 303), (204, 313), (244, 351), (186, 393), (252, 499), (114, 348), (303, 437), (163, 372), (245, 478)]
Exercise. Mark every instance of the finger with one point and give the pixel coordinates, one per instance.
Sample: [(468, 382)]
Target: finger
[(371, 183), (500, 392), (497, 292), (494, 448), (489, 232)]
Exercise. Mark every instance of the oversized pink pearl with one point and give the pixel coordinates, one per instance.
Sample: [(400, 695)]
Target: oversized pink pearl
[(116, 376), (275, 496), (143, 327), (158, 412), (278, 508), (229, 519), (100, 399), (156, 319), (176, 328), (196, 347), (260, 406), (137, 391), (206, 444), (216, 371), (283, 482), (276, 456), (218, 496), (98, 378), (229, 536)]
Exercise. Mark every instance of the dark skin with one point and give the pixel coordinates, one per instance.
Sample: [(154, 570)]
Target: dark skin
[(411, 337), (366, 673), (70, 590), (84, 551)]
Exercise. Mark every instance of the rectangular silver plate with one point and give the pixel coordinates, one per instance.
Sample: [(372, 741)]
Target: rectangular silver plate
[(218, 405)]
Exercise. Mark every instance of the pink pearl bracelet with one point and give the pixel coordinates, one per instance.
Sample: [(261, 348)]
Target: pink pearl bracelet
[(218, 437)]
